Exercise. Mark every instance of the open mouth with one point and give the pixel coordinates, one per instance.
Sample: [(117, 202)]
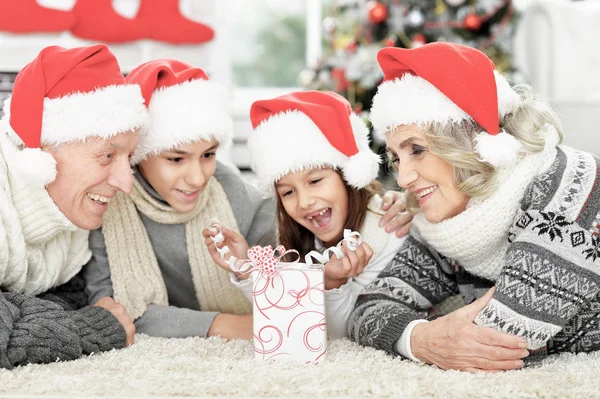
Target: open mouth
[(425, 194), (189, 195), (320, 220), (98, 199)]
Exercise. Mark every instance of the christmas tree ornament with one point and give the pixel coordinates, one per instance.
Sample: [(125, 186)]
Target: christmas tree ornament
[(416, 18), (97, 20), (391, 41), (306, 77), (472, 21), (418, 40), (27, 16), (377, 11)]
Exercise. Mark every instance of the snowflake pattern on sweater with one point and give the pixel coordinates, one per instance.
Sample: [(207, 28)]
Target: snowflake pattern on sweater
[(547, 290)]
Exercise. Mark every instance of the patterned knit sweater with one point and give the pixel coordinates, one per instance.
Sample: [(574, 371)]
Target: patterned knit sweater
[(545, 263)]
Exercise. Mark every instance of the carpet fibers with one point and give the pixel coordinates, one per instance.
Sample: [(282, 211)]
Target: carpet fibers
[(195, 367)]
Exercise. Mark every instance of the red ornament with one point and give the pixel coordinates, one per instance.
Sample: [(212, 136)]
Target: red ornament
[(472, 21), (378, 12), (339, 76), (418, 40), (390, 41), (352, 47)]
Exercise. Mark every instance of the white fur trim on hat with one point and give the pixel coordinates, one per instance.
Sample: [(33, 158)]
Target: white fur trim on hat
[(413, 99), (103, 113), (498, 150), (185, 113), (291, 142)]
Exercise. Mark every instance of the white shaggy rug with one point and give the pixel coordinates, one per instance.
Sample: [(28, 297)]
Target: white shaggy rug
[(195, 367)]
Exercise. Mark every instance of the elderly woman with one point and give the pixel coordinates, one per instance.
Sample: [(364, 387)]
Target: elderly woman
[(499, 204), (65, 142)]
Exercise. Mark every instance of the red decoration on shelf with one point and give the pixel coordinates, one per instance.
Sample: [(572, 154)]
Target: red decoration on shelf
[(27, 16), (473, 21), (339, 75), (378, 12), (97, 20)]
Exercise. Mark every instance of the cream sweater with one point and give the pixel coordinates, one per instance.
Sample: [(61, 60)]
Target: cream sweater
[(39, 247)]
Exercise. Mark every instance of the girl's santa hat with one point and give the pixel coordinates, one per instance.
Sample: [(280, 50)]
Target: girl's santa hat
[(309, 129), (64, 96), (184, 107), (445, 83)]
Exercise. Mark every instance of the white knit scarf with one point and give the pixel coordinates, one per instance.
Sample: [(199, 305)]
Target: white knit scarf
[(136, 277), (39, 247), (477, 238)]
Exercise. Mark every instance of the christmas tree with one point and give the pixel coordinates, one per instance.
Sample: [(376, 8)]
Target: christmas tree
[(355, 30)]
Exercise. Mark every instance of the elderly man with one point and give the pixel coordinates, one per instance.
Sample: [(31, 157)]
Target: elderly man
[(65, 142)]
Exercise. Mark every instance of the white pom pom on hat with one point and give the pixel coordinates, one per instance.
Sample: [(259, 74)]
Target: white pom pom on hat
[(444, 83)]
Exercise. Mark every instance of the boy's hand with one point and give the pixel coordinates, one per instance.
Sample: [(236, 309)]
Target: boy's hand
[(234, 241)]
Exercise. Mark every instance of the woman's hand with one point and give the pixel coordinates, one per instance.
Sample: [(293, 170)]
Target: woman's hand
[(395, 218), (455, 342), (237, 244), (338, 271)]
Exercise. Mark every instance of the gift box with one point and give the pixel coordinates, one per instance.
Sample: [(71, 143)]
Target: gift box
[(288, 298), (289, 313)]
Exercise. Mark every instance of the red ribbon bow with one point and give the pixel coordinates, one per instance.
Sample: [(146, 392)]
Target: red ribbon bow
[(265, 258)]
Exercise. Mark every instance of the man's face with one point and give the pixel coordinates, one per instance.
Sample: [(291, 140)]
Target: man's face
[(89, 174)]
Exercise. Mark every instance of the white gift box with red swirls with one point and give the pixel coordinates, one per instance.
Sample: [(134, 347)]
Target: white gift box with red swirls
[(289, 313)]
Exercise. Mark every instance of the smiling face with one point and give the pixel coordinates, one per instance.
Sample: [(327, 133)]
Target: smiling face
[(316, 199), (88, 174), (427, 176), (180, 175)]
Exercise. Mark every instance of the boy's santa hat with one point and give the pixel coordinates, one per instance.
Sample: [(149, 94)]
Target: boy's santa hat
[(442, 83), (184, 107), (65, 96), (309, 129)]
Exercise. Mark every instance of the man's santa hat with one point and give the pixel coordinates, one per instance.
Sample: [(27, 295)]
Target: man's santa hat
[(309, 129), (65, 96), (184, 107), (446, 83)]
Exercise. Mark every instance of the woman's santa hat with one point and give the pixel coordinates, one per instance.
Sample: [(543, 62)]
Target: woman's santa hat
[(309, 129), (184, 107), (64, 96), (444, 82)]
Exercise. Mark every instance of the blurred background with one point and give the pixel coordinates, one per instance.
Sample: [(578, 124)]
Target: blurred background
[(263, 48)]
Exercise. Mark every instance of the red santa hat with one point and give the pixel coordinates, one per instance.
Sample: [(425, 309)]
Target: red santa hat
[(184, 107), (309, 129), (445, 83), (64, 96)]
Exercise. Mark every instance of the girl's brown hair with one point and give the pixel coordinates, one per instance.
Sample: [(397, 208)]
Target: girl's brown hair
[(295, 236)]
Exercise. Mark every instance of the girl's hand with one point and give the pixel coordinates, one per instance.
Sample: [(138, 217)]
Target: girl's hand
[(396, 218), (455, 342), (237, 244), (337, 271)]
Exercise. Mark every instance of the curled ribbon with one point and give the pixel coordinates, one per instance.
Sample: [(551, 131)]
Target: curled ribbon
[(266, 259)]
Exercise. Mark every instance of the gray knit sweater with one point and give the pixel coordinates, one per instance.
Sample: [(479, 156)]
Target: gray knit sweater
[(183, 317), (54, 326), (547, 284)]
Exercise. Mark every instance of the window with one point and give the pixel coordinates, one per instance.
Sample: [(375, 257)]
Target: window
[(273, 41)]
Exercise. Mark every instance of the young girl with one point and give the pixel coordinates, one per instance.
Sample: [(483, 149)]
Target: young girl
[(149, 254), (312, 153)]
